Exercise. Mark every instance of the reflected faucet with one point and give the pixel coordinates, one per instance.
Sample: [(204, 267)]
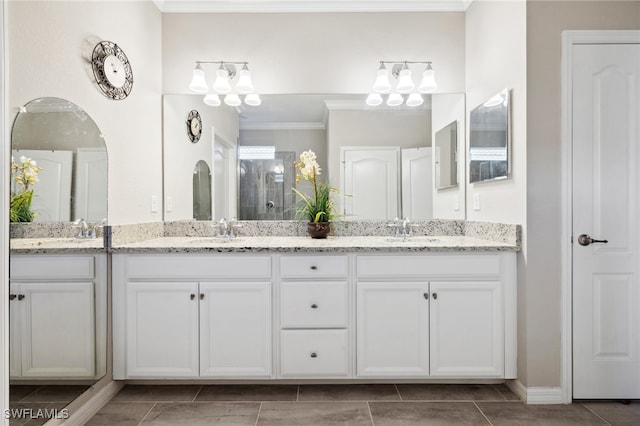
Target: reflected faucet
[(227, 228), (402, 228)]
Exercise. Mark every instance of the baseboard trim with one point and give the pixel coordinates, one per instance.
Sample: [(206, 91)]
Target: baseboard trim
[(536, 395), (84, 413)]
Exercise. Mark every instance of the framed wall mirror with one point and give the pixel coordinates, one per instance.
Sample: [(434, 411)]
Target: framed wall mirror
[(489, 139), (325, 124)]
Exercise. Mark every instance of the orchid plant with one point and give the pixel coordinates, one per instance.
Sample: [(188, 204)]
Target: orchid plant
[(24, 176), (318, 207)]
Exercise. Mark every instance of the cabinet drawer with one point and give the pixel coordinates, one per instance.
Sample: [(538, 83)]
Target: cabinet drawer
[(194, 266), (313, 304), (313, 353), (52, 267), (313, 266), (433, 265)]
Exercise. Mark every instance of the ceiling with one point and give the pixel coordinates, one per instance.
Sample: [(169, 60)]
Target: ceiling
[(275, 6)]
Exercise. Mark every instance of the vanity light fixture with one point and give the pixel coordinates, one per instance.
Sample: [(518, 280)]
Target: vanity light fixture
[(401, 71), (222, 84)]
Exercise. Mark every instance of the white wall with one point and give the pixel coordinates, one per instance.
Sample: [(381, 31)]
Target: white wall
[(449, 203), (313, 52), (181, 155), (50, 46)]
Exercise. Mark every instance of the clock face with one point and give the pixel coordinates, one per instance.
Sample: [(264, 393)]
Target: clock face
[(194, 126), (112, 70)]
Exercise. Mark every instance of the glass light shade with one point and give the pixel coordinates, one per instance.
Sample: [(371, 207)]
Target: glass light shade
[(244, 84), (222, 85), (252, 99), (395, 99), (198, 81), (414, 100), (428, 83), (405, 84), (374, 99), (382, 84), (212, 99), (232, 99)]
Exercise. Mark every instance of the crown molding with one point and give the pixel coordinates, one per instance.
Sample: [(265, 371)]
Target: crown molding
[(291, 6), (283, 126)]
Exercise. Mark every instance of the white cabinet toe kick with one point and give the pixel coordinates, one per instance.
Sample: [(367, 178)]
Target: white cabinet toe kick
[(315, 317)]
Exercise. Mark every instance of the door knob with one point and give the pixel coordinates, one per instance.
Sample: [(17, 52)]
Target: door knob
[(585, 240)]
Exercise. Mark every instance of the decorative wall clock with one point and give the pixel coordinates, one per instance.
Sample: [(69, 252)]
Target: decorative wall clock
[(112, 70), (194, 126)]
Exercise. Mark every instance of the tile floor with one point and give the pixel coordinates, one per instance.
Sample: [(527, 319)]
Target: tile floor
[(327, 405), (32, 398)]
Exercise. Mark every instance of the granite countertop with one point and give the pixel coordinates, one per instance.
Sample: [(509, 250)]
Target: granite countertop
[(56, 245), (291, 244)]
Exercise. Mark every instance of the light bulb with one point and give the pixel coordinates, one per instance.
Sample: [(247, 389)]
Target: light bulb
[(232, 99), (374, 99), (382, 84), (414, 100), (405, 84), (198, 81), (252, 99), (244, 84), (395, 99), (212, 99), (221, 85), (428, 83)]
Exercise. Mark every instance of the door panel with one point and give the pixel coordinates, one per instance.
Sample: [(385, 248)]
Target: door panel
[(606, 143), (417, 183)]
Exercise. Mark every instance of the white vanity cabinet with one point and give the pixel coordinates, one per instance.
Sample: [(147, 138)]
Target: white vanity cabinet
[(436, 315), (314, 316), (58, 316), (190, 316)]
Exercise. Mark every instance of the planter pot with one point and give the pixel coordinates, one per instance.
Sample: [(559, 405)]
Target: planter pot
[(318, 229)]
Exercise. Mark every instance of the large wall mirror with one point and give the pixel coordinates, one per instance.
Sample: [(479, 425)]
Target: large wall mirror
[(352, 141), (68, 145), (69, 148)]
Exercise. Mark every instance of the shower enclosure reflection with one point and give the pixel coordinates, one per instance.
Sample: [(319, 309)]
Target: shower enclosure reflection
[(265, 187)]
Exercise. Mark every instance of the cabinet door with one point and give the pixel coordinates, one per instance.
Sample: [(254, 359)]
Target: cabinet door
[(392, 330), (57, 329), (235, 329), (15, 363), (162, 329), (466, 329)]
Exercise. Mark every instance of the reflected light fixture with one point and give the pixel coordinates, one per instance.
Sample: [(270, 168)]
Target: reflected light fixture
[(401, 71), (223, 84)]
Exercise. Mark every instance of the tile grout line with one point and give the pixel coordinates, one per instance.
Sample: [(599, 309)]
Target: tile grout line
[(398, 391), (259, 411), (482, 412), (497, 390), (595, 414), (370, 414), (197, 393), (148, 412)]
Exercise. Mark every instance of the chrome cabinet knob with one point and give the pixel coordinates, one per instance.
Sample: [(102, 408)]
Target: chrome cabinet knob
[(314, 355)]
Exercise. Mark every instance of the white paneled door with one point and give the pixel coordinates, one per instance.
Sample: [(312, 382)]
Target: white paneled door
[(606, 190), (417, 183)]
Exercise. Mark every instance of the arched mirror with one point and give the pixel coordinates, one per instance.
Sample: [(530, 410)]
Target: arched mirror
[(71, 153), (201, 191), (71, 162)]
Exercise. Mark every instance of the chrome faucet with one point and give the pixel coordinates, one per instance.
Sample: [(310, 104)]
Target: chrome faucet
[(88, 230), (227, 228), (402, 227)]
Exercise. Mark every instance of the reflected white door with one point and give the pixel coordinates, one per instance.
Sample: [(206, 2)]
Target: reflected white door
[(91, 172), (221, 184), (370, 180), (417, 183), (52, 193), (606, 188)]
